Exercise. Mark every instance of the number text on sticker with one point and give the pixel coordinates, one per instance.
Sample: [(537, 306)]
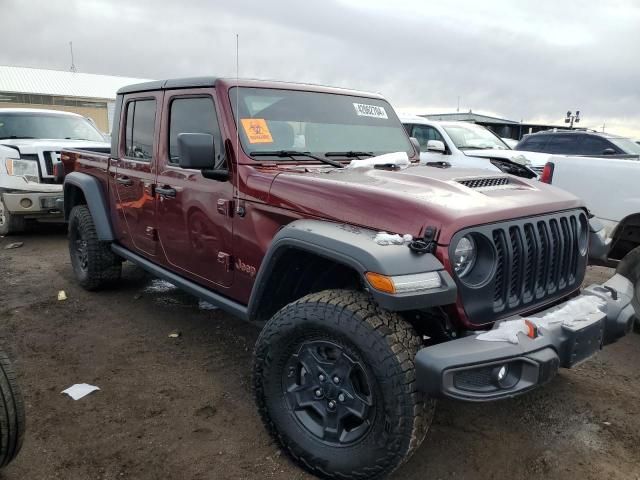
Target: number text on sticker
[(364, 110)]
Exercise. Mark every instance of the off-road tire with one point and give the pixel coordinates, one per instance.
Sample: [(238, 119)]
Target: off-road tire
[(629, 267), (9, 223), (12, 419), (96, 266), (387, 346)]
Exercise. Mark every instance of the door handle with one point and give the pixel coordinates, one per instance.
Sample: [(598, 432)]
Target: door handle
[(166, 191), (124, 181)]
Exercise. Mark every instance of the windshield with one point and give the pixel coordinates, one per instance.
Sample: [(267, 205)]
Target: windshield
[(627, 146), (274, 120), (469, 136), (38, 125)]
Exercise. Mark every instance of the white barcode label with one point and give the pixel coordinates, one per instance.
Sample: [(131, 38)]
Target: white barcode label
[(364, 110)]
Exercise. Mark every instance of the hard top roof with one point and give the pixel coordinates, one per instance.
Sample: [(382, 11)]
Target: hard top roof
[(200, 82)]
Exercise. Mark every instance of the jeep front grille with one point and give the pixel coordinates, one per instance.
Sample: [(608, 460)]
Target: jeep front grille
[(537, 260)]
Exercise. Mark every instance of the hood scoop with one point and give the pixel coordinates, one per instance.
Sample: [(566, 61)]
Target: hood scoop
[(488, 183)]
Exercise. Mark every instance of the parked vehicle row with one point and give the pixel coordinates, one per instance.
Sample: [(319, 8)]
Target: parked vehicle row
[(383, 283)]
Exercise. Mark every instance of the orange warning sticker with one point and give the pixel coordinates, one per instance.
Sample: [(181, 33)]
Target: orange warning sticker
[(256, 130)]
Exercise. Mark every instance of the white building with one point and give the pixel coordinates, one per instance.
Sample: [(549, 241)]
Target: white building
[(84, 93)]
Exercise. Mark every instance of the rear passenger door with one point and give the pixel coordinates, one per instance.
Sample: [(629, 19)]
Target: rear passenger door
[(195, 220), (134, 172)]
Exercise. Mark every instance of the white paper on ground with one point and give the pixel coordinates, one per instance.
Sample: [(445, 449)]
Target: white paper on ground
[(571, 314), (399, 159), (384, 238), (80, 390)]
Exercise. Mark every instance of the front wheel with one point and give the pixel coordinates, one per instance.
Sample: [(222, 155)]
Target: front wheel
[(629, 267), (334, 382), (10, 223)]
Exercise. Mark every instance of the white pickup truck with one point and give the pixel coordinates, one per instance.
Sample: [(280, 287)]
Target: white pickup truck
[(467, 145), (30, 145), (610, 188)]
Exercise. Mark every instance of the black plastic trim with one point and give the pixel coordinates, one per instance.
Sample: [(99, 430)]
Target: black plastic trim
[(226, 304), (188, 82), (93, 194), (355, 247)]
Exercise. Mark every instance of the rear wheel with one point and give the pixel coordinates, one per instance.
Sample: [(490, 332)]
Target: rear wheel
[(629, 267), (334, 382), (12, 418), (10, 223), (93, 262)]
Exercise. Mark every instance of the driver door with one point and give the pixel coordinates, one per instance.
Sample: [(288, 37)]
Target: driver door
[(424, 133), (194, 213)]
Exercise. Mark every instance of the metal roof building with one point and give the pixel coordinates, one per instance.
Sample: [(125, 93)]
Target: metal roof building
[(500, 126), (88, 94)]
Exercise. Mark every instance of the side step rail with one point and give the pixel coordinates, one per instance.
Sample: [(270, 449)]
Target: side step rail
[(194, 289)]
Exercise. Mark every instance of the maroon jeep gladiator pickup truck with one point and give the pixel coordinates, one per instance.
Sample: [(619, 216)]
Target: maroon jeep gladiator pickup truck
[(273, 201)]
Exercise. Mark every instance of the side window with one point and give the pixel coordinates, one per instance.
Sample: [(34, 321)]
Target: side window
[(563, 144), (534, 143), (140, 129), (424, 133), (594, 145), (194, 115)]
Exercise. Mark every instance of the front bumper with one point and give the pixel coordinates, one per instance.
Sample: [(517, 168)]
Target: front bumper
[(35, 204), (475, 370)]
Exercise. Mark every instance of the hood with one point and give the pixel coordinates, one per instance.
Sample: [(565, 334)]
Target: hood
[(406, 201), (33, 145), (535, 159)]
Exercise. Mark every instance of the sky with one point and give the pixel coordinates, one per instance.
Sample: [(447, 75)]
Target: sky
[(522, 60)]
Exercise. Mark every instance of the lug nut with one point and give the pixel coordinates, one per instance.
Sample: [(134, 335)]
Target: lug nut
[(318, 392), (336, 379), (332, 405), (322, 377), (341, 398)]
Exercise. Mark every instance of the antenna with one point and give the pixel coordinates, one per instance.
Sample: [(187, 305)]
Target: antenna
[(239, 208), (73, 65)]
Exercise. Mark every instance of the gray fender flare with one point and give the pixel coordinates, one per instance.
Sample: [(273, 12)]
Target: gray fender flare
[(96, 202), (355, 247)]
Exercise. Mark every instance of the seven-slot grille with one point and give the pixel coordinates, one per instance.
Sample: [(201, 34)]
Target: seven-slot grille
[(537, 260), (484, 182)]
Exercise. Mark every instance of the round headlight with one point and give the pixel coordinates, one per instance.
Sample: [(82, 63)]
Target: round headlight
[(464, 256)]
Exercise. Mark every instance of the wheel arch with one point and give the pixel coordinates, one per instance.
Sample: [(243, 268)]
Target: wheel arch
[(312, 255), (626, 236), (83, 189)]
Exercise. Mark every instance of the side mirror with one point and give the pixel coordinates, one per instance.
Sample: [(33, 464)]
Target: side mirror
[(196, 150), (608, 151), (416, 144), (435, 146)]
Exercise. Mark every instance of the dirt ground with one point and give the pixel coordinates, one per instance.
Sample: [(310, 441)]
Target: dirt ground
[(181, 408)]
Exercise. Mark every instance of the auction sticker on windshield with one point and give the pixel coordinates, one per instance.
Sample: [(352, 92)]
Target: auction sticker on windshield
[(256, 130), (364, 110)]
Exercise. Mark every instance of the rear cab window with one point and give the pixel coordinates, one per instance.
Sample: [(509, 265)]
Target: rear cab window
[(140, 129)]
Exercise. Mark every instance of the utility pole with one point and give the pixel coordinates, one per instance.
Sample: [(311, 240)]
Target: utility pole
[(571, 118), (73, 65), (458, 110)]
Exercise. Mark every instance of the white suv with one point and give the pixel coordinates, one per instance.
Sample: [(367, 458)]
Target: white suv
[(465, 145)]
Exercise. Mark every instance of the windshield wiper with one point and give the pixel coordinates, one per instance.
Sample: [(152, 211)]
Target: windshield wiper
[(14, 137), (349, 154), (293, 154)]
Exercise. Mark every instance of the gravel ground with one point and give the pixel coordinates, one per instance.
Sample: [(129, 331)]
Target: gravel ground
[(181, 408)]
